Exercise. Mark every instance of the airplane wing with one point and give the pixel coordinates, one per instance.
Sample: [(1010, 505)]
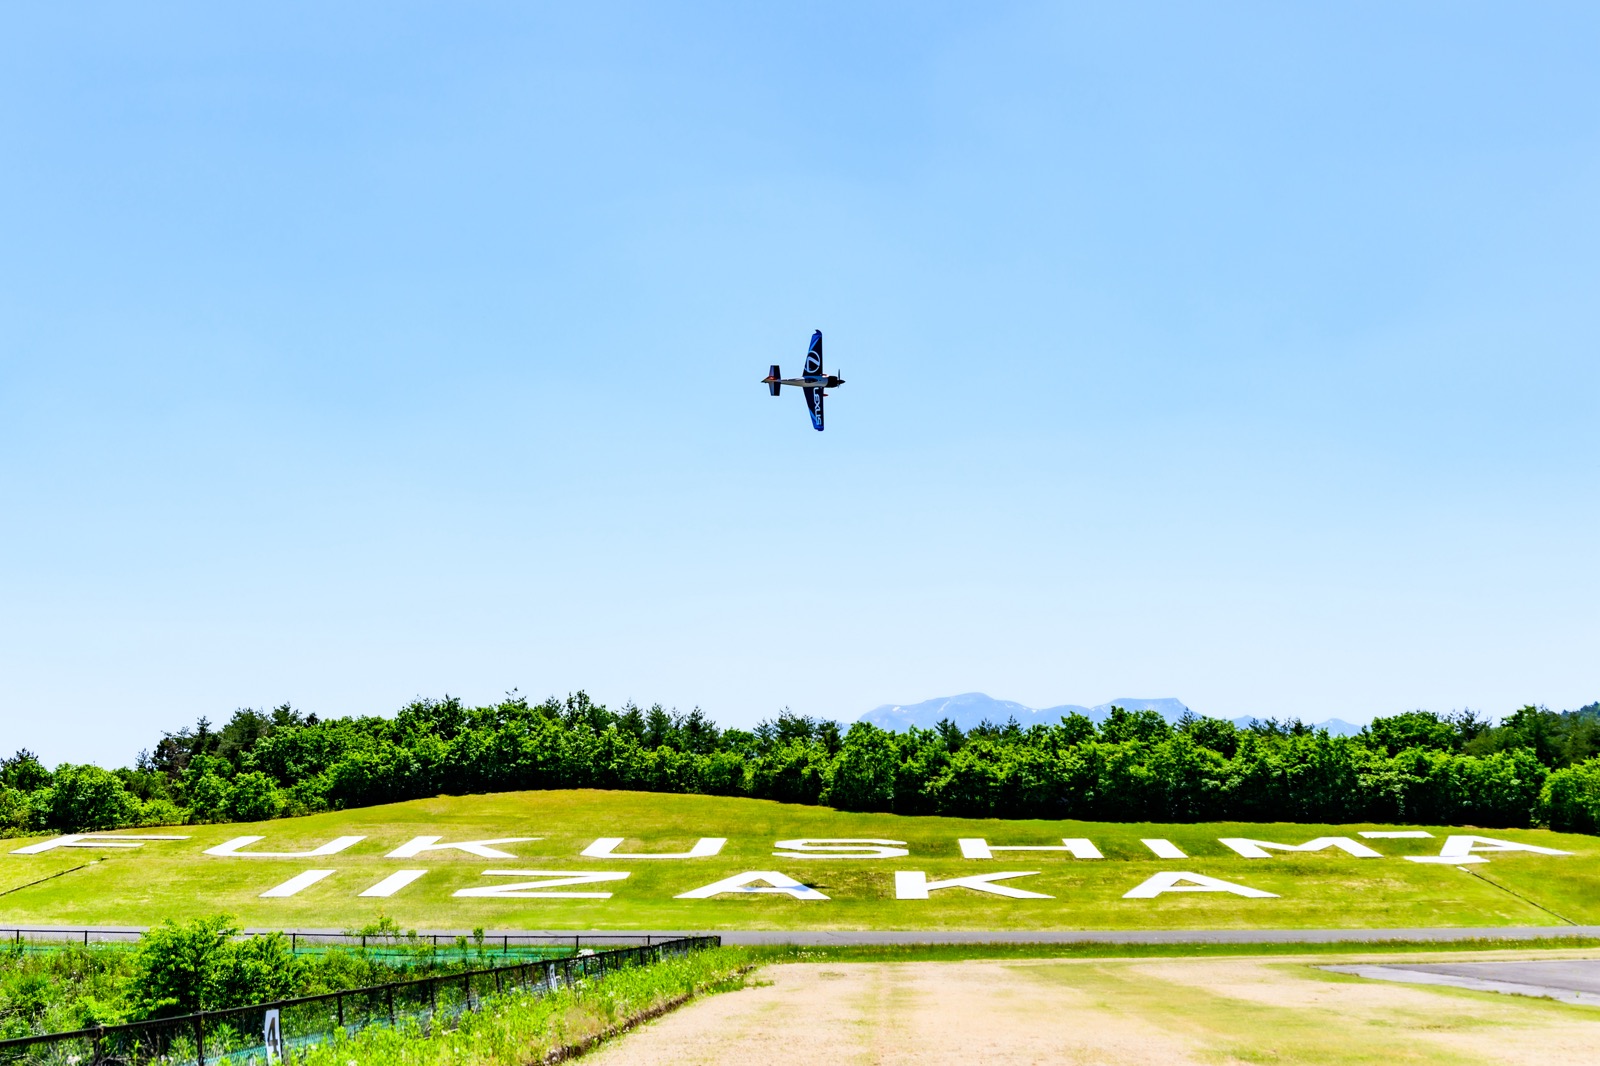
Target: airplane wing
[(814, 364), (814, 396)]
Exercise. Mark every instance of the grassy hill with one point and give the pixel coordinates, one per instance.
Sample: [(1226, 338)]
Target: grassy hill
[(113, 886)]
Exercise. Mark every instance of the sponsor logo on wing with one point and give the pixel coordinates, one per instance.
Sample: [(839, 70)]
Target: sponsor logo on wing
[(813, 363), (816, 402)]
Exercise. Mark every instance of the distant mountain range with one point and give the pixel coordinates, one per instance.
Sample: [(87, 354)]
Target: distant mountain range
[(971, 708)]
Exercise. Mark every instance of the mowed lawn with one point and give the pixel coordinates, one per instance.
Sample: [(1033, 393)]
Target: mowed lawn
[(1327, 889)]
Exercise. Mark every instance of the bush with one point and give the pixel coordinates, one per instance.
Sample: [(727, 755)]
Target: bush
[(1570, 799), (87, 797), (253, 797), (200, 965), (16, 813), (864, 771), (162, 812)]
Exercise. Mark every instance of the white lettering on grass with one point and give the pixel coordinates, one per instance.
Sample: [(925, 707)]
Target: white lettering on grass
[(914, 884), (775, 883), (1163, 849), (417, 845), (393, 883), (536, 889), (91, 840), (979, 848), (1187, 882), (295, 884), (606, 848), (1258, 849), (1466, 848), (841, 848), (231, 848)]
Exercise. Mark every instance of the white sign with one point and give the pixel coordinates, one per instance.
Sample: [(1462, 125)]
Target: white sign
[(1187, 882), (550, 879), (914, 884), (1077, 847), (841, 848), (417, 845), (91, 840), (606, 848), (1257, 849), (230, 848), (272, 1037), (776, 882)]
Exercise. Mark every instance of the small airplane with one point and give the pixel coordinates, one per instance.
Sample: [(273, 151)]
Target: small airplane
[(812, 382)]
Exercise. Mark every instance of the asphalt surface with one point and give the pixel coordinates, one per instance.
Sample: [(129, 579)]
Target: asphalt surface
[(812, 938), (1569, 980)]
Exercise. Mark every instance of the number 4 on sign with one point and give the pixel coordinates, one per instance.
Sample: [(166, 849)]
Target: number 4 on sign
[(272, 1036)]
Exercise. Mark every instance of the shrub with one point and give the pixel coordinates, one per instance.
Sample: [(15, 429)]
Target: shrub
[(253, 797), (87, 797), (200, 965), (864, 771), (1570, 799)]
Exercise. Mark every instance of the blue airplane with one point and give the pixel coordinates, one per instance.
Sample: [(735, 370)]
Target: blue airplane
[(812, 383)]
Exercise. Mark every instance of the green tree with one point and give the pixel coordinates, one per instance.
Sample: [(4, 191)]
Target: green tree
[(87, 797), (863, 774), (253, 797)]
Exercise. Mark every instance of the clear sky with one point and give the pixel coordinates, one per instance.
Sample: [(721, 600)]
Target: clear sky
[(1239, 353)]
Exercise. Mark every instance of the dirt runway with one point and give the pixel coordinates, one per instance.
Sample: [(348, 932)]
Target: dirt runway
[(1109, 1012)]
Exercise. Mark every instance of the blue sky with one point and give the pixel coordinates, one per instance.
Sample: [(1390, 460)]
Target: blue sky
[(1238, 353)]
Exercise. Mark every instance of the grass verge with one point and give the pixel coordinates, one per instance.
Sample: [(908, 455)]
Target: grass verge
[(520, 1028)]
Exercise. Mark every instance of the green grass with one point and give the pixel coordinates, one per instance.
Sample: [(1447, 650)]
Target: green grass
[(521, 1027), (1317, 890)]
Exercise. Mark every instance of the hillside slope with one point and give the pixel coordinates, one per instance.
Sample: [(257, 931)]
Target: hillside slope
[(482, 845)]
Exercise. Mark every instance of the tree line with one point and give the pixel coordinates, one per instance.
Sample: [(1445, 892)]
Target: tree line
[(1535, 767)]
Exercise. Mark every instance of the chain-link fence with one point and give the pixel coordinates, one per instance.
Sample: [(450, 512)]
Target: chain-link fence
[(240, 1034), (447, 947)]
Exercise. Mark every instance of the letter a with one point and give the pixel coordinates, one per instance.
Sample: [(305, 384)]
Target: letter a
[(1465, 849), (775, 882), (1168, 882), (914, 884)]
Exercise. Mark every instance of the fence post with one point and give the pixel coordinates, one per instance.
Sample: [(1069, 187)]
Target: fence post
[(390, 990), (293, 941), (339, 1002), (200, 1039)]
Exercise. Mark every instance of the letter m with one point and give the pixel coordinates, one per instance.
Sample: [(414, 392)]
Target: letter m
[(1257, 849)]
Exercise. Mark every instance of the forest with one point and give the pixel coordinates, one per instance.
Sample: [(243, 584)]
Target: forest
[(1535, 767)]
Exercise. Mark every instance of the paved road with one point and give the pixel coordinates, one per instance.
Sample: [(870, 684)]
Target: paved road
[(1154, 936), (1571, 980), (968, 936)]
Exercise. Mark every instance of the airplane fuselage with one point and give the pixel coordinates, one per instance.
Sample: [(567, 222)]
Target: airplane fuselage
[(828, 381)]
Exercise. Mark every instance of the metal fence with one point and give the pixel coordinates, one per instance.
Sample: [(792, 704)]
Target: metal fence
[(237, 1034), (320, 940)]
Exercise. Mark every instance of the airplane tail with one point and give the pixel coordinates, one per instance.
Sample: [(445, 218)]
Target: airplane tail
[(772, 380)]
